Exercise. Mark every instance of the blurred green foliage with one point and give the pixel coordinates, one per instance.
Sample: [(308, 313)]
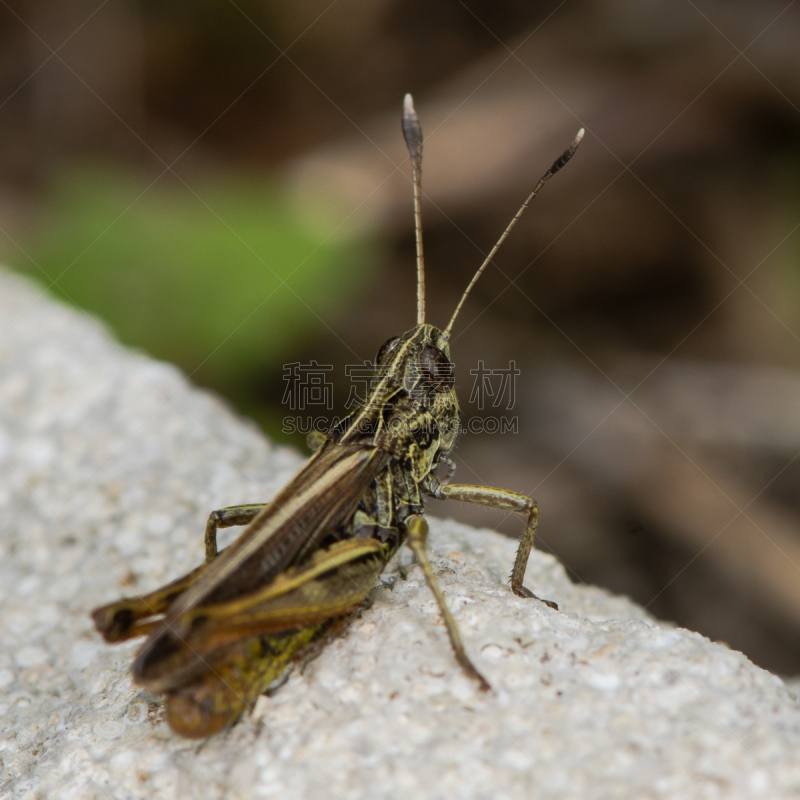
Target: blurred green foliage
[(226, 278)]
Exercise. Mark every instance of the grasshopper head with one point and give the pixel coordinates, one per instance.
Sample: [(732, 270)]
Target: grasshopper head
[(414, 370)]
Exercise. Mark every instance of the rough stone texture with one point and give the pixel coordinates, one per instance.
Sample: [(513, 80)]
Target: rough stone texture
[(110, 464)]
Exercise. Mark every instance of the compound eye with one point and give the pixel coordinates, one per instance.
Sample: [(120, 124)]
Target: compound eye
[(386, 348), (435, 369)]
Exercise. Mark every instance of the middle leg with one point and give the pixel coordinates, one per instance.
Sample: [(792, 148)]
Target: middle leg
[(417, 529), (227, 518)]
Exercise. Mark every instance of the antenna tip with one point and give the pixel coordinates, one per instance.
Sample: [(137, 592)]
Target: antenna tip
[(412, 132), (578, 138)]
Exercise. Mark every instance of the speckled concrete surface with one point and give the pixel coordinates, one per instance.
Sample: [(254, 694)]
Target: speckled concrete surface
[(110, 464)]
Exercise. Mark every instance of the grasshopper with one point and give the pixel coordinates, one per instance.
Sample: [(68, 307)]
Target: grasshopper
[(220, 635)]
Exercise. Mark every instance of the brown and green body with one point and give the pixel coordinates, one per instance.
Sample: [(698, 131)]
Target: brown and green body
[(220, 635)]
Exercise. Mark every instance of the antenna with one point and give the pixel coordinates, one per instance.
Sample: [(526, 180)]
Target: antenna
[(412, 133), (557, 165)]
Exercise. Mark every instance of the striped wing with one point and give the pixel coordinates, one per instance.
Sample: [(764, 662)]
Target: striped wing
[(321, 496)]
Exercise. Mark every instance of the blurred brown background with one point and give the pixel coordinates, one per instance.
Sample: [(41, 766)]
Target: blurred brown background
[(226, 184)]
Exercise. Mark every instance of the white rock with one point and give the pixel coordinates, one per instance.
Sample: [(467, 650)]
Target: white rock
[(597, 700)]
